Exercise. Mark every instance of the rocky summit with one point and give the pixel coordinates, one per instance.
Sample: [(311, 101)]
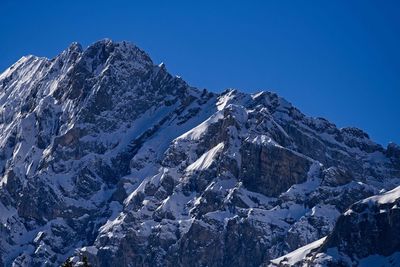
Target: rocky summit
[(107, 158)]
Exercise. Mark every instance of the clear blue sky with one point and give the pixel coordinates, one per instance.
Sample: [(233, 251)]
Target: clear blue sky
[(335, 59)]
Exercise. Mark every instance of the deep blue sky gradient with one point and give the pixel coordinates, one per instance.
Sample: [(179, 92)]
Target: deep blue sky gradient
[(333, 59)]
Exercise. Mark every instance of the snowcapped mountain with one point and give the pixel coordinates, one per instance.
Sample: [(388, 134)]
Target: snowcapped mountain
[(367, 234), (105, 154)]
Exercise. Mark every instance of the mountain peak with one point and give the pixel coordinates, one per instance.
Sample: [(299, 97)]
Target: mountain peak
[(102, 148), (108, 52), (75, 46)]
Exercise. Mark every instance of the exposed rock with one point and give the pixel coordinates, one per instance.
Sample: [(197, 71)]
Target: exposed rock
[(336, 176), (271, 170), (368, 230), (369, 227), (106, 155)]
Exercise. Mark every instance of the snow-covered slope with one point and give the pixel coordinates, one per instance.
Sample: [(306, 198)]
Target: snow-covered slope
[(299, 254), (367, 234), (105, 154)]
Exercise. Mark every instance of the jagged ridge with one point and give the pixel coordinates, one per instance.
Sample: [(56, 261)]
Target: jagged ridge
[(105, 152)]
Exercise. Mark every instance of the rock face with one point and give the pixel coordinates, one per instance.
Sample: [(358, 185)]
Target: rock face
[(367, 234), (271, 170), (369, 227), (104, 154)]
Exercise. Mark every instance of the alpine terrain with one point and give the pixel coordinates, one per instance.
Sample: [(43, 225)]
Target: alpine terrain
[(106, 157)]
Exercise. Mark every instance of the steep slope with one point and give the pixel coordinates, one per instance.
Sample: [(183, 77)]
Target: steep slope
[(69, 128), (367, 234), (103, 152), (243, 187)]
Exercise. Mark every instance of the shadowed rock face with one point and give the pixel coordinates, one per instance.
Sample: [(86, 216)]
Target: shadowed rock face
[(272, 170), (104, 154), (368, 228), (336, 176)]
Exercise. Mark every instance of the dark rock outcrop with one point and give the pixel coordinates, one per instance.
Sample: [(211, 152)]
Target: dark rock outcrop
[(106, 155), (271, 170)]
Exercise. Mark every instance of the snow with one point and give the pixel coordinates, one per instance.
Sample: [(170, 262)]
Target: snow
[(110, 224), (329, 212), (176, 204), (252, 122), (386, 198), (263, 140), (257, 95), (253, 199), (205, 161), (199, 130), (312, 183), (225, 99), (298, 254), (222, 216), (91, 250)]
